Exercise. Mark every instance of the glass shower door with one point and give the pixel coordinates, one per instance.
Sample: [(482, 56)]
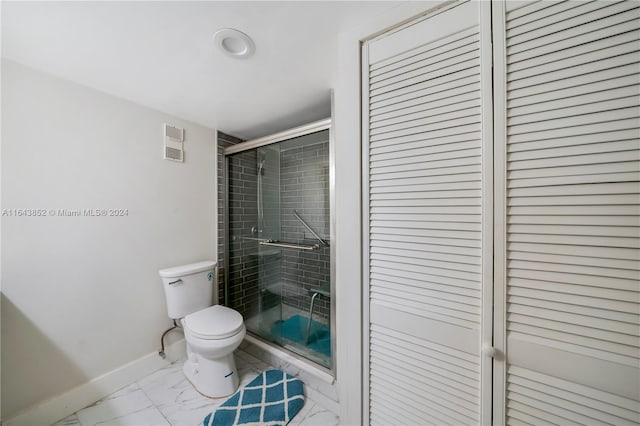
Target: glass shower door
[(279, 248), (269, 258)]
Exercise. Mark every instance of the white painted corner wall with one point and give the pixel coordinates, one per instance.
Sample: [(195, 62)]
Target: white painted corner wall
[(81, 295), (62, 405), (67, 146)]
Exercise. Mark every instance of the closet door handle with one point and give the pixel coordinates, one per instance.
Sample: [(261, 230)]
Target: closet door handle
[(489, 350)]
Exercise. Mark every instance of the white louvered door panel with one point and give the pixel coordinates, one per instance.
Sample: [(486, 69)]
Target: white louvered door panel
[(572, 210), (427, 93)]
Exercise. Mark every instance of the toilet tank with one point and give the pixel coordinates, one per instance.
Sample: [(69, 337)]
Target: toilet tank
[(189, 288)]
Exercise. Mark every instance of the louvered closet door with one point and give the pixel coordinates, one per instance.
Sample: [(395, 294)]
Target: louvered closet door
[(572, 210), (426, 95)]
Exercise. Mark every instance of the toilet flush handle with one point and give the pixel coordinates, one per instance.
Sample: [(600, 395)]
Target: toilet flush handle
[(178, 281)]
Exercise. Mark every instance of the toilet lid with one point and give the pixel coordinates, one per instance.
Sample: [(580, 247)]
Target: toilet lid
[(214, 322)]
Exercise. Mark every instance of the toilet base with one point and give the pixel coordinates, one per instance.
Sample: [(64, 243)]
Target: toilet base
[(214, 378)]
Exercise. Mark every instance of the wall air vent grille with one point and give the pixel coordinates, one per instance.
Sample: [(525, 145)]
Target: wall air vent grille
[(173, 143), (172, 154)]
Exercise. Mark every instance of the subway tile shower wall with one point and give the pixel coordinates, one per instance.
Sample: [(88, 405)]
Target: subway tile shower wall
[(295, 179), (269, 225), (224, 141), (243, 245), (304, 180)]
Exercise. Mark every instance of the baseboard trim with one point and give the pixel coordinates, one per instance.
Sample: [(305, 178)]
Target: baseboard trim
[(67, 403)]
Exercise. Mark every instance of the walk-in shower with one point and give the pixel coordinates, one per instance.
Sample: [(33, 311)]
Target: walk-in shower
[(278, 221)]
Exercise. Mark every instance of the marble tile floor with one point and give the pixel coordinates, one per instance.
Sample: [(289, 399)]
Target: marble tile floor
[(166, 398)]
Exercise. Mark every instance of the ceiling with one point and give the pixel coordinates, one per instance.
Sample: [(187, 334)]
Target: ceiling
[(162, 55)]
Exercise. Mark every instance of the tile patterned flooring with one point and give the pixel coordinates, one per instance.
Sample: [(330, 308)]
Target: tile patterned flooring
[(166, 398)]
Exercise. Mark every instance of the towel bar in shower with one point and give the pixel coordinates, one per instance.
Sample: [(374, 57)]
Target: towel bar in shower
[(289, 245)]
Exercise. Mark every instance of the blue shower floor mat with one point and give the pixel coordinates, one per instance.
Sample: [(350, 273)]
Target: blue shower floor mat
[(295, 329)]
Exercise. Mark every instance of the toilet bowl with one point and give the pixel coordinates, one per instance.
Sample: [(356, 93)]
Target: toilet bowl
[(212, 335), (212, 332)]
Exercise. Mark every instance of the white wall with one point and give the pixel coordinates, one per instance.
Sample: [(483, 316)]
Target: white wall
[(347, 112), (81, 295)]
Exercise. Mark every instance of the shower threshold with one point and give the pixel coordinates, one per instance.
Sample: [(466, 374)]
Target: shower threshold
[(285, 332), (290, 357)]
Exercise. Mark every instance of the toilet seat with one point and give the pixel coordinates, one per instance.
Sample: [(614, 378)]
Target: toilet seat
[(214, 322)]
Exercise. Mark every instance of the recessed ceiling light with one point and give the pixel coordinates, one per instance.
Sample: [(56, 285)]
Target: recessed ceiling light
[(234, 43)]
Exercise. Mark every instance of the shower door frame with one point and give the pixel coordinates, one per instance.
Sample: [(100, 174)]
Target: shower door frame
[(306, 129)]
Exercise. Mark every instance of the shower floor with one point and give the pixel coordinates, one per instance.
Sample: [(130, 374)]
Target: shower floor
[(287, 327)]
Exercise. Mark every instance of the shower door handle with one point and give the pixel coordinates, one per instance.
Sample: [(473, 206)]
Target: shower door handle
[(289, 245)]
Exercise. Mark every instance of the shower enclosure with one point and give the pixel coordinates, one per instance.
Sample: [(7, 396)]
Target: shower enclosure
[(278, 221)]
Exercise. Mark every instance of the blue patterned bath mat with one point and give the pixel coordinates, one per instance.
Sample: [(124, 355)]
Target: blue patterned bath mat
[(271, 399)]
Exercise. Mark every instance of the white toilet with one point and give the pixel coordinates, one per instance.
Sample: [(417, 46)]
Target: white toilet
[(212, 331)]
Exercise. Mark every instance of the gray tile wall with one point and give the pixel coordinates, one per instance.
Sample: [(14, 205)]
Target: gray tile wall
[(224, 141), (302, 184), (243, 245), (270, 263), (304, 177)]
